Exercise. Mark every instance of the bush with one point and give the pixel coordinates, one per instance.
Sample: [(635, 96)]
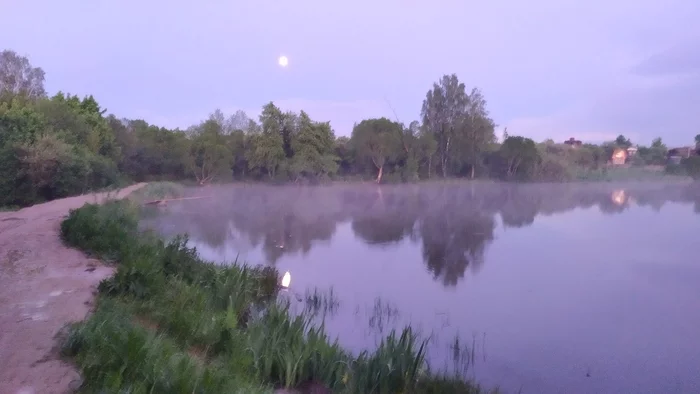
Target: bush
[(108, 231), (691, 165)]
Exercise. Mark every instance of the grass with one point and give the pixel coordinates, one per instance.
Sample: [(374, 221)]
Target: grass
[(168, 322), (625, 173), (158, 191)]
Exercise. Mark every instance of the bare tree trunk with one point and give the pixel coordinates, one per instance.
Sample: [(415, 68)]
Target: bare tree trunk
[(443, 164), (379, 174), (430, 166), (472, 172), (445, 156)]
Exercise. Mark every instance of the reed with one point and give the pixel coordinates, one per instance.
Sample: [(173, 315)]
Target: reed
[(168, 322)]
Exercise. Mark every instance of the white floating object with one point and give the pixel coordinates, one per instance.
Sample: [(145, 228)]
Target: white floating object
[(286, 279), (283, 61)]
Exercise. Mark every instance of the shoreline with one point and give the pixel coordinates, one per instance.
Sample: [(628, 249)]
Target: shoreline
[(170, 322)]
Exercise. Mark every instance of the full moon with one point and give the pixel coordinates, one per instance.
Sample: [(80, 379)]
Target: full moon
[(283, 61)]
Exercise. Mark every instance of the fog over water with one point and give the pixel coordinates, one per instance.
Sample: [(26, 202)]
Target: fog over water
[(568, 288)]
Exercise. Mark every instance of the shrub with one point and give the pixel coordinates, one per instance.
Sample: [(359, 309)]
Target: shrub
[(691, 165), (107, 231)]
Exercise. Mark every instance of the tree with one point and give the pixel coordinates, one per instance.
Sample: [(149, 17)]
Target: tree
[(378, 141), (343, 150), (657, 152), (273, 120), (209, 154), (697, 139), (519, 157), (18, 77), (19, 123), (459, 122), (443, 111), (622, 142), (477, 131), (265, 152), (313, 149), (419, 147), (692, 166)]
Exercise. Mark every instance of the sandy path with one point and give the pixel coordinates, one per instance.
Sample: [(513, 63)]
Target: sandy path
[(43, 286)]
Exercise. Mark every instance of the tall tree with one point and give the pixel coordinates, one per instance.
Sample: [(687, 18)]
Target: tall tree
[(273, 120), (377, 141), (460, 123), (209, 154), (313, 149), (266, 152), (519, 157), (622, 141), (443, 111), (18, 77), (419, 147), (477, 132)]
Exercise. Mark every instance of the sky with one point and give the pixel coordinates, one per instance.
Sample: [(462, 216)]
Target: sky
[(556, 69)]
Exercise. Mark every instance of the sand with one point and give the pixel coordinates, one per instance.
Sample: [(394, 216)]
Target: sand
[(44, 285)]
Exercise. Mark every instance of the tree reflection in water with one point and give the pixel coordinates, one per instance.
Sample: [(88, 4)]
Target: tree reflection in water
[(454, 223)]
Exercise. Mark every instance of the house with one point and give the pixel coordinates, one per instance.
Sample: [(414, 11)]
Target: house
[(632, 150), (573, 142), (675, 155), (619, 156)]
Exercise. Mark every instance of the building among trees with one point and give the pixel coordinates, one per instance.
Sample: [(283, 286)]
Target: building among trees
[(675, 155), (619, 156)]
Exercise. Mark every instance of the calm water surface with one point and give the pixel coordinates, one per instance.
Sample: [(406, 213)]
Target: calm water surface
[(542, 289)]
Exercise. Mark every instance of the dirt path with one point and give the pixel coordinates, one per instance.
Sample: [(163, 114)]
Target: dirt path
[(43, 286)]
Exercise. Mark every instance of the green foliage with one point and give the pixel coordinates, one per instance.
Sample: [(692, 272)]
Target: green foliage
[(395, 366), (108, 230), (654, 155), (117, 355), (63, 145), (209, 153), (168, 322), (517, 158), (313, 149), (691, 165), (376, 142), (289, 350), (460, 124), (158, 191), (623, 142)]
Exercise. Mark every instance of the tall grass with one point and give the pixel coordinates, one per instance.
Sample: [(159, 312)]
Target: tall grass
[(168, 322), (158, 191)]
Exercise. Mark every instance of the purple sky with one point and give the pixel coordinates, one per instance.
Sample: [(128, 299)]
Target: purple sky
[(549, 69)]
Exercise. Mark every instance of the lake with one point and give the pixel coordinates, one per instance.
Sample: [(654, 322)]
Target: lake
[(574, 288)]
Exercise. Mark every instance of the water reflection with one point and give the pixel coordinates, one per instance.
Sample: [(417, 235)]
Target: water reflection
[(580, 288), (453, 223)]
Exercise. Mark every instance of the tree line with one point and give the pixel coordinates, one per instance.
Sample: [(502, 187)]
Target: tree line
[(60, 145)]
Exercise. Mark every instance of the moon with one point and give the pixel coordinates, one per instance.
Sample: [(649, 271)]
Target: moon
[(283, 61)]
